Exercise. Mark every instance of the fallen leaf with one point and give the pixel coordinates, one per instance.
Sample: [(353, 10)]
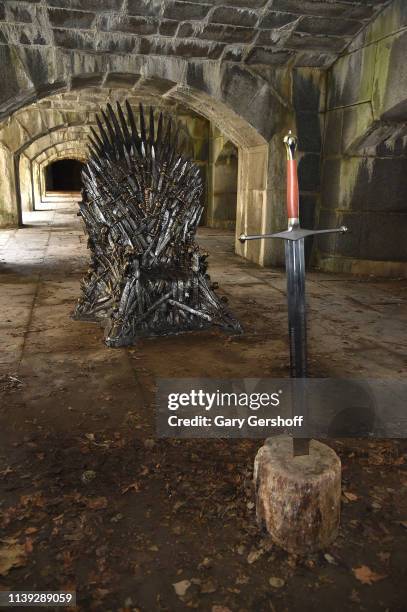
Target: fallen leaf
[(384, 556), (36, 499), (12, 555), (73, 537), (254, 555), (88, 476), (350, 496), (149, 443), (354, 596), (30, 530), (220, 609), (366, 576), (205, 563), (58, 519), (7, 471), (330, 559), (208, 586), (134, 486), (276, 582), (116, 518), (28, 545), (181, 587), (97, 503)]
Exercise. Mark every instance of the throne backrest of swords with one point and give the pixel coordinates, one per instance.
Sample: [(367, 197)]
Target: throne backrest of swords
[(142, 202), (143, 192)]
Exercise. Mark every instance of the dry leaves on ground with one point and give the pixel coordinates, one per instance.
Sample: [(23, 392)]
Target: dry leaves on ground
[(134, 486), (276, 582), (350, 496), (367, 576), (12, 554), (181, 587), (97, 503)]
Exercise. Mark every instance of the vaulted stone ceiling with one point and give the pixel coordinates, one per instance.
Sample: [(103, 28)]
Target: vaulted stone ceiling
[(253, 32), (92, 99)]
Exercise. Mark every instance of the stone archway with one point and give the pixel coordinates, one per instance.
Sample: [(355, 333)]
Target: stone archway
[(254, 195), (28, 175), (60, 152)]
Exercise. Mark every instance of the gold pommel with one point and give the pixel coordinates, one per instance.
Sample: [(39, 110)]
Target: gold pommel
[(290, 142)]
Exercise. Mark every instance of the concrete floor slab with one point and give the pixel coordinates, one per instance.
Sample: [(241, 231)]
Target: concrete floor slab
[(78, 406)]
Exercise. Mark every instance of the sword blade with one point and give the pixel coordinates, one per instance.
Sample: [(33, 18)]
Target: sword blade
[(297, 327)]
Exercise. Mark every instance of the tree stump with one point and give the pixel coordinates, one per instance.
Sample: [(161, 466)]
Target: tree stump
[(298, 498)]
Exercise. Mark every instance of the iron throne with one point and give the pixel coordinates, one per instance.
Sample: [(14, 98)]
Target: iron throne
[(141, 207)]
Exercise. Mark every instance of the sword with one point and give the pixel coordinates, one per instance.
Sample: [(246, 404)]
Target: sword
[(294, 238)]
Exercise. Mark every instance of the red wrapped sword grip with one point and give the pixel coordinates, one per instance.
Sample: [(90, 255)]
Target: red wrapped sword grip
[(293, 208)]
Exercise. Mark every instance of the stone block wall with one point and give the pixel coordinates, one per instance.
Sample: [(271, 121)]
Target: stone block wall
[(364, 172), (197, 130), (309, 100), (8, 211), (223, 176)]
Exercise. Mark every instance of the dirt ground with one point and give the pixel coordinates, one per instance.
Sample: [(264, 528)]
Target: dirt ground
[(91, 501)]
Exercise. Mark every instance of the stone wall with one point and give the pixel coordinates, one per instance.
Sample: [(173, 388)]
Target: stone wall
[(223, 175), (26, 184), (9, 215), (309, 94), (364, 177), (197, 132)]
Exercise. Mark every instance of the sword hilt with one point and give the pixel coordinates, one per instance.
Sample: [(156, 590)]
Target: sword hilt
[(293, 204), (295, 231)]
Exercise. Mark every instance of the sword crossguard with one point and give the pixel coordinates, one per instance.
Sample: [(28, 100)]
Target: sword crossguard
[(294, 231)]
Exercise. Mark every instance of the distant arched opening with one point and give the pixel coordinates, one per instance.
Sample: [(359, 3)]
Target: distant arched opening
[(64, 175)]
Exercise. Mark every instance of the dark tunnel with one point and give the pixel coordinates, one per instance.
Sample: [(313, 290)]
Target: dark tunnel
[(64, 175)]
